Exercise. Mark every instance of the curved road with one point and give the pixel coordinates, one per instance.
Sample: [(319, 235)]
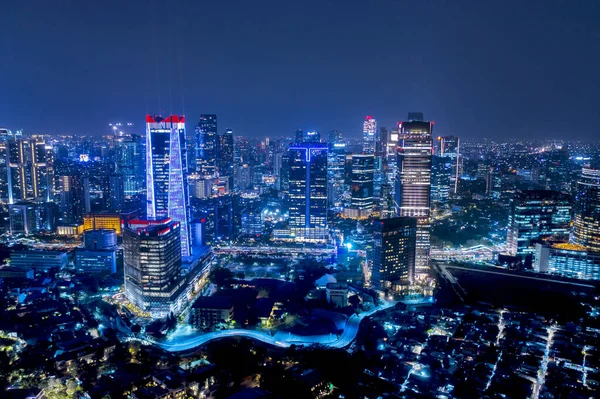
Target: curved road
[(188, 343)]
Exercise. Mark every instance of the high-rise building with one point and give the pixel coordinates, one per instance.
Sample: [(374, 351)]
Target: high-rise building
[(72, 198), (361, 189), (336, 160), (441, 170), (116, 193), (413, 184), (586, 224), (369, 134), (393, 251), (225, 157), (533, 215), (152, 266), (307, 197), (130, 163), (23, 218), (206, 144), (166, 174), (449, 148)]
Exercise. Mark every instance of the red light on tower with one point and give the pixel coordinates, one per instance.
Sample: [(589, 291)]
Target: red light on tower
[(368, 117)]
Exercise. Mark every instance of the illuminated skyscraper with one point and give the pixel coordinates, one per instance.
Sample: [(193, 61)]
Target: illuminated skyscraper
[(393, 251), (130, 163), (28, 174), (363, 169), (449, 148), (307, 197), (586, 225), (225, 156), (536, 214), (152, 266), (166, 173), (369, 134), (413, 194), (336, 159), (206, 144)]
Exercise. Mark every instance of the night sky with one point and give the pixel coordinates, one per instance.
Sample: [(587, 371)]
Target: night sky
[(495, 69)]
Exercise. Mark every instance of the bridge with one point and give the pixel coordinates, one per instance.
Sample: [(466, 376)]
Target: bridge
[(273, 251)]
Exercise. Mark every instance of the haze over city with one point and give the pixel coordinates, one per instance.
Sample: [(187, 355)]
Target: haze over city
[(480, 69)]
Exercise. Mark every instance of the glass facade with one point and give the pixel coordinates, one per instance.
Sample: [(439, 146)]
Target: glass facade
[(413, 184), (363, 170), (166, 174), (568, 260), (586, 223), (393, 251), (152, 265), (536, 214), (307, 197), (369, 134), (206, 141)]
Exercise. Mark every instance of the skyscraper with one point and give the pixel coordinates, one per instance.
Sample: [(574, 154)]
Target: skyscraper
[(369, 134), (72, 198), (225, 156), (413, 194), (393, 251), (536, 214), (152, 266), (449, 148), (586, 224), (441, 170), (206, 144), (307, 197), (130, 163), (27, 176), (363, 169), (336, 159), (166, 173)]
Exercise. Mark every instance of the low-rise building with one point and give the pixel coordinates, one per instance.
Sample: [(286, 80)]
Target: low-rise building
[(568, 260), (337, 294), (210, 310), (38, 259)]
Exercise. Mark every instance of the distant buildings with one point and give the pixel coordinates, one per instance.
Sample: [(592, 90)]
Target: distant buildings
[(586, 224), (394, 251), (152, 266), (225, 157), (413, 184), (307, 197), (206, 144), (369, 135), (166, 174), (533, 215)]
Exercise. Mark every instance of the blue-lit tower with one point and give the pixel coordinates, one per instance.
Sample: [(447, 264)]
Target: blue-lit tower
[(166, 173), (307, 195)]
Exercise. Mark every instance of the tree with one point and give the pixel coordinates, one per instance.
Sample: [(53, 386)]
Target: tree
[(221, 276)]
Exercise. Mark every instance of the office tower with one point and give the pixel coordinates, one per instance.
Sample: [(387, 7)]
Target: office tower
[(586, 224), (567, 260), (299, 136), (449, 148), (336, 162), (441, 171), (130, 163), (307, 197), (363, 169), (152, 265), (206, 144), (369, 134), (166, 174), (413, 184), (26, 171), (23, 218), (72, 198), (116, 198), (225, 157), (534, 215), (394, 251)]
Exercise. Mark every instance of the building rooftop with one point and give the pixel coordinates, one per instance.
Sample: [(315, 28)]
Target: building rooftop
[(213, 302)]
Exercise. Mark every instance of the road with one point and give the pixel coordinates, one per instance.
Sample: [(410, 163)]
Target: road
[(345, 339)]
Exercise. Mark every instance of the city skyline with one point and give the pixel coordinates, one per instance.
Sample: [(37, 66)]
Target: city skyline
[(464, 62)]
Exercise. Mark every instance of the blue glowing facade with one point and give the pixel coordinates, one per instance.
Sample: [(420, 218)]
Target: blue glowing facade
[(166, 174)]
